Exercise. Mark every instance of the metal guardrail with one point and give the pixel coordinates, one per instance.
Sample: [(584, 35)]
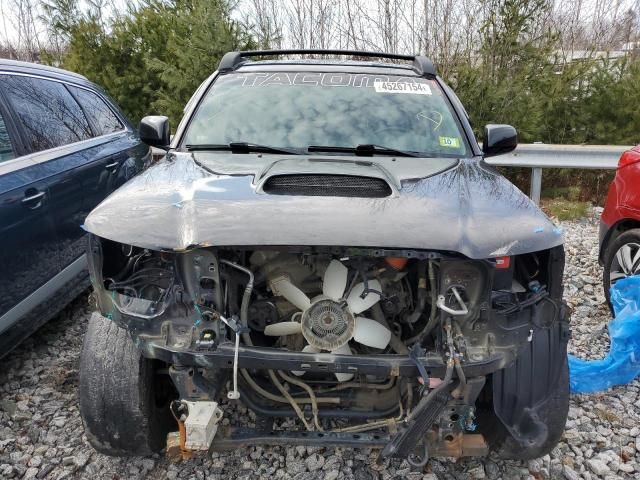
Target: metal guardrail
[(538, 156)]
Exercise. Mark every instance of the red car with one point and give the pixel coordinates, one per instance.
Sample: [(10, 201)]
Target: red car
[(620, 222)]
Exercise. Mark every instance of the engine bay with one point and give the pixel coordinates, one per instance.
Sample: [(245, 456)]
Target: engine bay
[(364, 335)]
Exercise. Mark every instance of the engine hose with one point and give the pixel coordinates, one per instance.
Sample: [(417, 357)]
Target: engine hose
[(370, 386), (388, 422), (246, 338), (409, 398), (253, 403), (312, 396), (277, 398), (433, 317), (459, 370), (422, 293), (434, 295), (445, 382), (248, 289), (290, 399), (461, 376)]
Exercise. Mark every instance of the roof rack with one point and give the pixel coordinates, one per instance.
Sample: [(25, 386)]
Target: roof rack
[(232, 60)]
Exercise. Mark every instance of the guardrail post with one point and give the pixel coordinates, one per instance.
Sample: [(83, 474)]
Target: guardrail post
[(536, 184)]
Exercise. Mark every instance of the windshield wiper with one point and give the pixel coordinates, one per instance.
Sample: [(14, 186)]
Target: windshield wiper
[(364, 149), (241, 147)]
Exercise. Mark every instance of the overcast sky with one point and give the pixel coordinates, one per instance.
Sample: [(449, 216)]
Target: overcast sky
[(9, 11)]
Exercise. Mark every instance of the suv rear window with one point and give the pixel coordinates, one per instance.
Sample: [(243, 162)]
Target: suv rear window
[(297, 110), (49, 114), (99, 113)]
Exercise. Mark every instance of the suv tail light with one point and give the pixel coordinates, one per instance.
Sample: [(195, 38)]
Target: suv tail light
[(629, 157)]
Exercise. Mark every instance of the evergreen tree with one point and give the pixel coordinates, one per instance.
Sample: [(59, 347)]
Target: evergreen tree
[(151, 58), (505, 80), (202, 31)]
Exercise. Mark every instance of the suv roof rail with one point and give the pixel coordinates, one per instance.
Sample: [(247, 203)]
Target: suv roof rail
[(232, 60), (8, 63)]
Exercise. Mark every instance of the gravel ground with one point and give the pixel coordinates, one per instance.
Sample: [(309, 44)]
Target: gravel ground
[(41, 434)]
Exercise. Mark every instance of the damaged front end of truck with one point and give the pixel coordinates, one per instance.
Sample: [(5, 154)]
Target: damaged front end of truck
[(410, 349), (404, 297)]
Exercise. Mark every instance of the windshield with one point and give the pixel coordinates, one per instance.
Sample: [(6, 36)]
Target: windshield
[(299, 110)]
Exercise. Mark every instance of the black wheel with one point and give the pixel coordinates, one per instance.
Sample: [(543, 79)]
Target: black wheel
[(124, 403), (553, 413), (621, 259)]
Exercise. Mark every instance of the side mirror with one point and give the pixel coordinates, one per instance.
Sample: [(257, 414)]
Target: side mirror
[(499, 139), (154, 131)]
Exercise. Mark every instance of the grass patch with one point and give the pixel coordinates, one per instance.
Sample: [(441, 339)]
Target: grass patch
[(569, 193), (564, 209), (574, 184)]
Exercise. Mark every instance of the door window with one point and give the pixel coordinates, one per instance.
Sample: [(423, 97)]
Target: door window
[(6, 149), (99, 113), (50, 116)]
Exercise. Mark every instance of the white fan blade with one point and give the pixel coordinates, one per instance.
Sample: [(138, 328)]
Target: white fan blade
[(281, 329), (343, 350), (359, 305), (306, 349), (335, 280), (283, 287), (370, 333)]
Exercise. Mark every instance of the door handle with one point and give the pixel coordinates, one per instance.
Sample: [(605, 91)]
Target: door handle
[(32, 199), (111, 165)]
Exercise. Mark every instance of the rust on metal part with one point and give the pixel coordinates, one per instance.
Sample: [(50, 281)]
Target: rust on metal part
[(185, 452), (173, 447), (460, 445), (176, 448)]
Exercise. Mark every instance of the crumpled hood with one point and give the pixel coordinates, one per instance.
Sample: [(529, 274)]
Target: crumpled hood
[(215, 199)]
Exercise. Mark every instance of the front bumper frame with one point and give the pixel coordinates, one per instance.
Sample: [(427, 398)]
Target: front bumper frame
[(262, 358)]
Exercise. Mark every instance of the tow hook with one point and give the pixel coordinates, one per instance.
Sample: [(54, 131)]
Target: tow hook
[(197, 426), (419, 461)]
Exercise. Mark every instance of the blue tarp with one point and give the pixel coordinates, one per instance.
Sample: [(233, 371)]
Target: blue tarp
[(622, 364)]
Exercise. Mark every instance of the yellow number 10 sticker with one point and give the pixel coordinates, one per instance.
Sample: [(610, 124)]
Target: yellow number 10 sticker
[(451, 142)]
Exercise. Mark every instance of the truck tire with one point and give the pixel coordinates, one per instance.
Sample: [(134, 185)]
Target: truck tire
[(123, 404)]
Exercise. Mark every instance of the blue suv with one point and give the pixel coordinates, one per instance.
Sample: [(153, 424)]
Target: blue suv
[(64, 146)]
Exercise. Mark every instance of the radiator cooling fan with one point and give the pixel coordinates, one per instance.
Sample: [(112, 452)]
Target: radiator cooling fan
[(329, 321)]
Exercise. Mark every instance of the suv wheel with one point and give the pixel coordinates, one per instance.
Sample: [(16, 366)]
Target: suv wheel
[(621, 259), (123, 401)]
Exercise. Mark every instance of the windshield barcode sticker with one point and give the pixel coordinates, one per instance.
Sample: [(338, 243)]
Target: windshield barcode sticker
[(402, 87)]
